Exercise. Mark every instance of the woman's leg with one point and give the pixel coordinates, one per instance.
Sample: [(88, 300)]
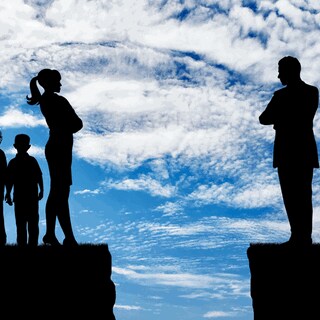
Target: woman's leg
[(51, 210), (63, 215), (59, 158)]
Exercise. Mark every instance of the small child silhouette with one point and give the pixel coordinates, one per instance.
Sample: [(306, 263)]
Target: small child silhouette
[(24, 176)]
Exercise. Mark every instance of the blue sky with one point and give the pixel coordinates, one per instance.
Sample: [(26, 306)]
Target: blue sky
[(172, 168)]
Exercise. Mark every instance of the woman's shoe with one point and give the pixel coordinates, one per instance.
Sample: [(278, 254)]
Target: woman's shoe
[(52, 241), (70, 242)]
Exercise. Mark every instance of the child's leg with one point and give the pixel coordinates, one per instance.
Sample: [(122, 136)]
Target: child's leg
[(3, 235), (21, 223)]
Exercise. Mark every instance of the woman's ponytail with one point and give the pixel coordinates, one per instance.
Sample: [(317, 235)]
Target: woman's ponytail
[(35, 93)]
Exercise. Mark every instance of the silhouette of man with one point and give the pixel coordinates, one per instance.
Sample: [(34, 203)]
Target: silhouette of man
[(25, 177), (291, 112)]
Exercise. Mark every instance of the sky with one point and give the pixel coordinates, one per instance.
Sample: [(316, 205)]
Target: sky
[(172, 169)]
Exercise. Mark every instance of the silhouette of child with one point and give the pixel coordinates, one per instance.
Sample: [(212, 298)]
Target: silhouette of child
[(62, 122), (3, 167), (24, 176)]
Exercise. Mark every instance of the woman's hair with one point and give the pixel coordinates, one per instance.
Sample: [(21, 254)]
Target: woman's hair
[(46, 77)]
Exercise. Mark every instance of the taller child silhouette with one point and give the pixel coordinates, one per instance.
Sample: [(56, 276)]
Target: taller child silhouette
[(3, 168), (291, 112), (63, 122)]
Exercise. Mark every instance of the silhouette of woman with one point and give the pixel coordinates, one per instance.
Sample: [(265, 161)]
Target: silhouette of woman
[(62, 122)]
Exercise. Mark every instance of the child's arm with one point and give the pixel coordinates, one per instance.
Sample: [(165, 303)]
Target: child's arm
[(3, 167), (8, 184), (38, 174), (7, 197), (40, 183)]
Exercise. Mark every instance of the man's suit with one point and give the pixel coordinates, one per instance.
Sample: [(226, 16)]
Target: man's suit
[(291, 111)]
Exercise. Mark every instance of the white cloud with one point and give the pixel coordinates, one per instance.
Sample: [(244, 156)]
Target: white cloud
[(35, 151), (176, 279), (218, 314), (14, 117), (216, 231), (87, 191), (127, 307), (143, 183), (140, 238), (170, 208), (293, 12), (221, 37), (177, 229), (253, 192)]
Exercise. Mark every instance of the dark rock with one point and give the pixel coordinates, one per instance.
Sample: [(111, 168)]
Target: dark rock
[(47, 282), (285, 281)]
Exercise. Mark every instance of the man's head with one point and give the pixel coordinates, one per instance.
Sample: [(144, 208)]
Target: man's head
[(289, 69)]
